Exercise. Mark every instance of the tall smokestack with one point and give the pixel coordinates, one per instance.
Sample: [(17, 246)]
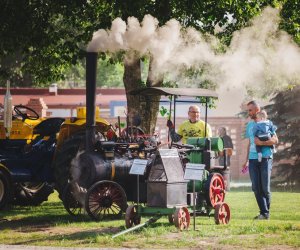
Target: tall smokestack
[(91, 70)]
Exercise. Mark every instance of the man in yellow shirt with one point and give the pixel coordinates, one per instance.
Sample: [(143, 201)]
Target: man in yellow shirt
[(193, 127)]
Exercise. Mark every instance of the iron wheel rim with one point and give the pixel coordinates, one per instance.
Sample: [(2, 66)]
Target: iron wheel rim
[(222, 213), (105, 199), (132, 217), (216, 191), (72, 206), (182, 218)]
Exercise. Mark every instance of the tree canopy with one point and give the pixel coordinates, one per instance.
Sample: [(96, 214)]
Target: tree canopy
[(40, 39), (291, 19)]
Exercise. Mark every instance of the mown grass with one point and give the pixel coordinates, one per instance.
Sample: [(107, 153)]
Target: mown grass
[(50, 225)]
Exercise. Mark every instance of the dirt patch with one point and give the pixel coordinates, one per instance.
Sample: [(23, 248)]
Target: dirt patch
[(67, 230)]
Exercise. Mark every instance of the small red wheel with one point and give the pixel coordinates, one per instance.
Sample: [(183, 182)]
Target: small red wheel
[(215, 189), (222, 213), (132, 217), (182, 218)]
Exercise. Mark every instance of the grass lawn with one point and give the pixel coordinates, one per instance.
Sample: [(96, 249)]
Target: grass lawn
[(50, 225)]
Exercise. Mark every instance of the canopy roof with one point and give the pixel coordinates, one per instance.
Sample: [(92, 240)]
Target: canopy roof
[(155, 91)]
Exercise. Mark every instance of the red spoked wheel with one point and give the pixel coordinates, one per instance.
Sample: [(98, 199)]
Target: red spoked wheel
[(182, 218), (132, 217), (215, 189), (105, 199), (222, 213)]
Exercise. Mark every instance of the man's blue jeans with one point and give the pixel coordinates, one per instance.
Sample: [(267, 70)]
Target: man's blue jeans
[(260, 175)]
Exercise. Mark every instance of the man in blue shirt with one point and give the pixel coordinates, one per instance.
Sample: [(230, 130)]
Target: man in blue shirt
[(260, 172)]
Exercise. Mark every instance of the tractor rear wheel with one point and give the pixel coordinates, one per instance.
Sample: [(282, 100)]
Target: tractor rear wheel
[(31, 193), (63, 158), (5, 189)]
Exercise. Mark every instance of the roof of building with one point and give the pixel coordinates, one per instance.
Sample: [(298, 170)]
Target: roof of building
[(191, 92), (64, 97)]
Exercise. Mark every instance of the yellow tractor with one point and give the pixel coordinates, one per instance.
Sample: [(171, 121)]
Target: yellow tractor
[(28, 148)]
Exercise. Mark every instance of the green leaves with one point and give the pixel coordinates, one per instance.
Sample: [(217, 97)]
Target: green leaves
[(285, 113), (163, 111), (290, 14)]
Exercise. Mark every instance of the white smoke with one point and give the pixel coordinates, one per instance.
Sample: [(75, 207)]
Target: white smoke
[(260, 53), (260, 56)]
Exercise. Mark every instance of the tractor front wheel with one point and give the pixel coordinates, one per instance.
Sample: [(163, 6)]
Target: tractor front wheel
[(32, 193)]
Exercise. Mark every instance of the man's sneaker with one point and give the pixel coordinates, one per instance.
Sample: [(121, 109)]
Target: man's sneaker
[(261, 217), (259, 155)]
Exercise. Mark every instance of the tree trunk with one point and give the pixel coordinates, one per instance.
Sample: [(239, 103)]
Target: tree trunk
[(152, 105), (147, 108), (132, 80)]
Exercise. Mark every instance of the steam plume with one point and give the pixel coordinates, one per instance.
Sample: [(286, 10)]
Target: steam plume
[(260, 56)]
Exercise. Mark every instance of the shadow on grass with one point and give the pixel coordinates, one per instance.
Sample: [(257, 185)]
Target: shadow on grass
[(39, 221), (82, 236), (35, 218)]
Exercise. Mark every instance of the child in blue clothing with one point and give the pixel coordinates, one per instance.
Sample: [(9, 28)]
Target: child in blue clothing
[(264, 129)]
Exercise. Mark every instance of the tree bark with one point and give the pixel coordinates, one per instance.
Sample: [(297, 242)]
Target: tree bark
[(132, 80), (147, 108), (152, 105)]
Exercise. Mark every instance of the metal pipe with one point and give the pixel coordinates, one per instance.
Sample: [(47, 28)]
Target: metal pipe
[(119, 126), (174, 106), (148, 222), (91, 72), (205, 128), (170, 115)]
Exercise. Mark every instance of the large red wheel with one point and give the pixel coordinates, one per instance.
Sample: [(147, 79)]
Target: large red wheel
[(105, 199), (222, 213), (215, 189), (132, 217), (182, 218)]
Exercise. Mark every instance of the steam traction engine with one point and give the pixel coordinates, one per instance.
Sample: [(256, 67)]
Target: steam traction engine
[(100, 179)]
